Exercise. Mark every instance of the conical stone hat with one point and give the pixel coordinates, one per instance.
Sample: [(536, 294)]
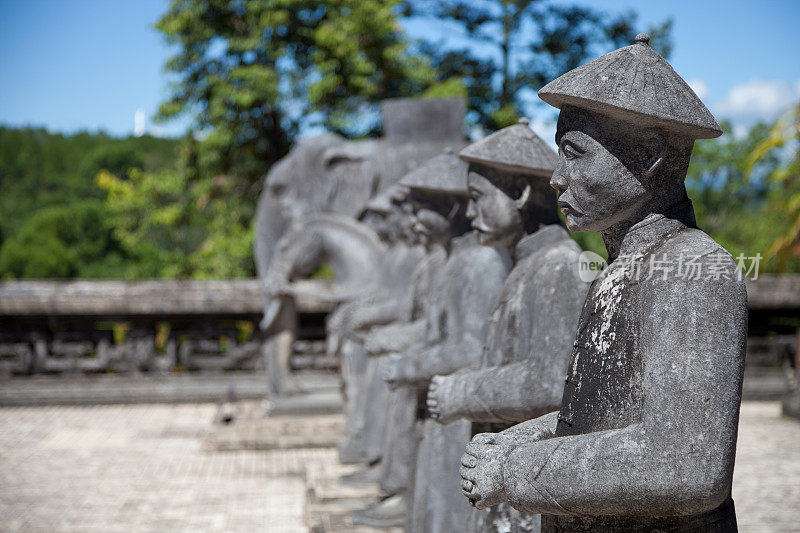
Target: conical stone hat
[(513, 149), (632, 82), (384, 202), (445, 174)]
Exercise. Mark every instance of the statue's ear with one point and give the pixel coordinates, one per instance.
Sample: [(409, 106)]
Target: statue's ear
[(524, 197), (654, 147)]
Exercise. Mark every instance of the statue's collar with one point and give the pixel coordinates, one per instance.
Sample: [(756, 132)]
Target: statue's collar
[(655, 227), (545, 235)]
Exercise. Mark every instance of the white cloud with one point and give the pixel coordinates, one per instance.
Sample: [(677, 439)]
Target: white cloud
[(546, 130), (139, 122), (758, 99), (699, 87)]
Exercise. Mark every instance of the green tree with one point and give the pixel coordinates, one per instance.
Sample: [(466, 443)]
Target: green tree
[(738, 200), (173, 225), (782, 136), (62, 242), (252, 73), (514, 47), (54, 223)]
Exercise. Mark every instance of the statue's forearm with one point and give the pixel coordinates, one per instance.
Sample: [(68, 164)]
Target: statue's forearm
[(396, 337), (419, 361), (449, 358), (534, 430), (514, 392), (620, 470), (378, 313), (510, 393)]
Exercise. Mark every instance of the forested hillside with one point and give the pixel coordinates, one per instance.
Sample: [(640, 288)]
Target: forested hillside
[(55, 222)]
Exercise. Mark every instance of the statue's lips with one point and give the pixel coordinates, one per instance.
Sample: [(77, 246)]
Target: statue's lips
[(481, 229)]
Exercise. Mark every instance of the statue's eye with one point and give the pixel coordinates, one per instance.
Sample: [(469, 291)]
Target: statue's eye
[(569, 152)]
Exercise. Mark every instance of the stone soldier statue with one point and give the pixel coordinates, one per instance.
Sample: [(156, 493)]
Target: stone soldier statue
[(463, 295), (428, 193), (529, 338), (646, 435), (348, 324), (353, 250), (382, 307)]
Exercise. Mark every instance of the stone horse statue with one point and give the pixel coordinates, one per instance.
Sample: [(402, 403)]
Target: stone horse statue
[(329, 175)]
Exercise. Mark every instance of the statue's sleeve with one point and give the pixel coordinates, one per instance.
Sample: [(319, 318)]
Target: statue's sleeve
[(508, 393), (536, 429), (396, 337), (679, 459), (385, 311)]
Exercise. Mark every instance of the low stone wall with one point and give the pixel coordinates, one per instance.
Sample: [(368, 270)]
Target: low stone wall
[(97, 346), (91, 327), (73, 327)]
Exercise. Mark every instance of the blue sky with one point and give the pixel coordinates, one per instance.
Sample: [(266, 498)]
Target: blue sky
[(90, 64)]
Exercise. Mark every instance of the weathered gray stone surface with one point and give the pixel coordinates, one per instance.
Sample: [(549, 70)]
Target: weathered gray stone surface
[(438, 205), (405, 118), (456, 320), (352, 249), (646, 435), (481, 270), (392, 301), (515, 150), (400, 436), (634, 80)]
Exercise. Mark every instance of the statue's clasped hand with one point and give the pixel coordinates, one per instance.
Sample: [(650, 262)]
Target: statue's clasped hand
[(395, 370), (482, 469), (439, 400)]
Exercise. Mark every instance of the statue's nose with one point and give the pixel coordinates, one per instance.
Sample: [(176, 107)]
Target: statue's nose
[(558, 180), (470, 210)]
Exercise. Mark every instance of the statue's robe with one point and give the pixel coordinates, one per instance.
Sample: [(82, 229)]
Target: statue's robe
[(398, 443), (528, 347), (468, 290), (645, 438), (402, 266)]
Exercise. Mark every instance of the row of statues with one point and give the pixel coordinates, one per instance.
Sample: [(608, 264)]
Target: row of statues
[(490, 386)]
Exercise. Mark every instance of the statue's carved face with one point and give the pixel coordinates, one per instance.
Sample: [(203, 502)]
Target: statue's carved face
[(431, 219), (596, 189), (403, 221), (494, 215), (431, 227)]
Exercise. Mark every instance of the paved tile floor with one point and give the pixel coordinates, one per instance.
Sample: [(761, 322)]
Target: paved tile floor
[(151, 468)]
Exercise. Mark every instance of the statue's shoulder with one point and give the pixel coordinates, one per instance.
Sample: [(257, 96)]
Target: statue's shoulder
[(479, 263), (695, 243), (559, 248), (565, 250), (692, 255)]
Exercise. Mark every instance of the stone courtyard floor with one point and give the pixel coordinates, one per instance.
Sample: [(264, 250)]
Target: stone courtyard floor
[(173, 468)]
